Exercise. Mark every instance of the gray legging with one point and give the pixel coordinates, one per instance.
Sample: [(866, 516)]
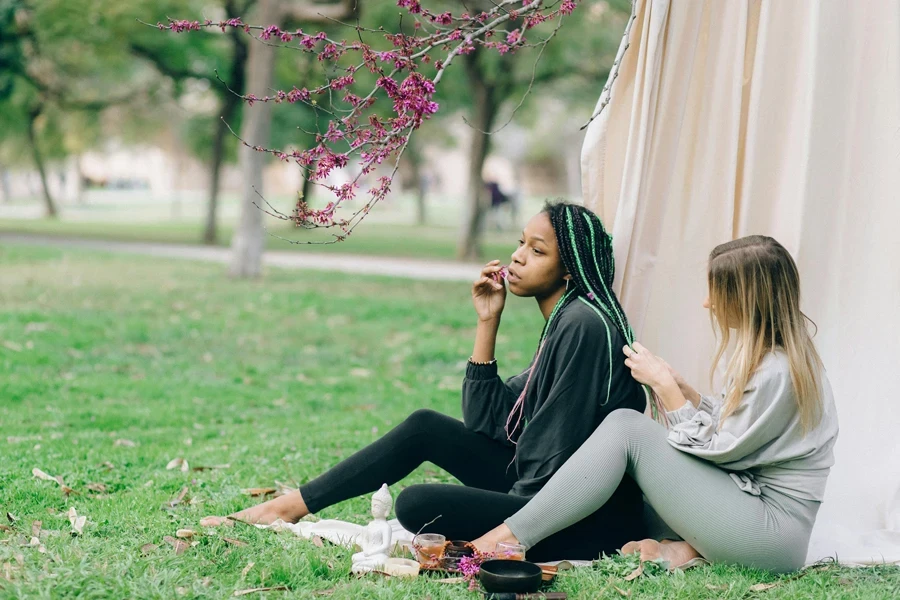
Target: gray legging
[(697, 499)]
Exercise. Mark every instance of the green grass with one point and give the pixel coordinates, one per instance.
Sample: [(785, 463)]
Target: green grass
[(374, 239), (278, 379)]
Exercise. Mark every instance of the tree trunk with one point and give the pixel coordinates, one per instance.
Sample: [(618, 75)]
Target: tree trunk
[(230, 103), (484, 100), (80, 196), (415, 163), (5, 187), (247, 243), (307, 189), (49, 205)]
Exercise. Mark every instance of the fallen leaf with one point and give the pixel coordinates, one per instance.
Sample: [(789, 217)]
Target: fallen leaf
[(362, 373), (36, 528), (623, 593), (96, 487), (11, 518), (277, 588), (125, 443), (185, 534), (108, 465), (35, 327), (327, 592), (5, 527), (452, 580), (317, 542), (761, 587), (179, 545), (44, 476), (78, 522), (636, 573), (12, 346), (226, 466), (235, 542), (216, 521), (246, 569), (36, 543), (148, 548), (254, 492), (179, 499), (712, 587), (178, 463)]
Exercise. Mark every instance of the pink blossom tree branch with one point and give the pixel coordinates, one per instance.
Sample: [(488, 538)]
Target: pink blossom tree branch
[(406, 75)]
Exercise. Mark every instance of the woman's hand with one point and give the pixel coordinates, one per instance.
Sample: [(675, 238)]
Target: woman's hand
[(648, 368), (488, 294)]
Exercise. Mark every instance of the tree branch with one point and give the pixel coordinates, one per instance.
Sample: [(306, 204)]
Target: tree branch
[(159, 62)]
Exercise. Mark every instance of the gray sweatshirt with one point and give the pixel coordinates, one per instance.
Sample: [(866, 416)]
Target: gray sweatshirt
[(762, 443)]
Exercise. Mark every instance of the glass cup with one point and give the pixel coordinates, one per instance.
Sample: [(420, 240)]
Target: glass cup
[(429, 548), (510, 551)]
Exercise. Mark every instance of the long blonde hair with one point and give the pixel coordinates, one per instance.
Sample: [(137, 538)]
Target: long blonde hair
[(754, 288)]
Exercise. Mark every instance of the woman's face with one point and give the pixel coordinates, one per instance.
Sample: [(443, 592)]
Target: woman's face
[(536, 268)]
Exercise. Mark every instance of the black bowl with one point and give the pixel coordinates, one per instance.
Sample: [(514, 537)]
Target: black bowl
[(516, 576)]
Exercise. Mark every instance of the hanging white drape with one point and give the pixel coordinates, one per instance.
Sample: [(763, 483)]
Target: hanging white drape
[(781, 118)]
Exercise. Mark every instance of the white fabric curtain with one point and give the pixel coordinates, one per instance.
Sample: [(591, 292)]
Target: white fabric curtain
[(779, 118)]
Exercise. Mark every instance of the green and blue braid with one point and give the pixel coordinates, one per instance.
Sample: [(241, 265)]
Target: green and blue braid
[(586, 250)]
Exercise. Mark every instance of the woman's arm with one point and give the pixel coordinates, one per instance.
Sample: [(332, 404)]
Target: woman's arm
[(766, 410), (653, 371), (486, 399), (489, 299), (692, 395), (485, 340)]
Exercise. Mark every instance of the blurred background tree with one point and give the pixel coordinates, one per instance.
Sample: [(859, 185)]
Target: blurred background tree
[(80, 75)]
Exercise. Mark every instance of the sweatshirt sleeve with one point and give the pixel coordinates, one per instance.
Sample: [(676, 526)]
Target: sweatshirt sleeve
[(487, 400), (576, 403), (765, 411)]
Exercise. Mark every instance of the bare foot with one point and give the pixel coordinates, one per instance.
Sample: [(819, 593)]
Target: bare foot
[(675, 553), (488, 542), (216, 522), (289, 508)]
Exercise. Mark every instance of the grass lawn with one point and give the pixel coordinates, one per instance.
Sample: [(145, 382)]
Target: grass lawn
[(113, 366), (374, 239)]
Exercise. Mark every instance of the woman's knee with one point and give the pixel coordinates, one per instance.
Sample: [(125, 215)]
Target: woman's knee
[(412, 507), (624, 418), (426, 419)]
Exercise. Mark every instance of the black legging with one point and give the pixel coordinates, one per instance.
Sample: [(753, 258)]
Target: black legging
[(464, 512)]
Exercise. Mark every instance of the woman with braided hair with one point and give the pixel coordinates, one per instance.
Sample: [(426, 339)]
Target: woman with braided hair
[(516, 433)]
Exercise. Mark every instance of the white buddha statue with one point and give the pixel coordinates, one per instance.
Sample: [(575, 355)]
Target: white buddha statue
[(375, 539)]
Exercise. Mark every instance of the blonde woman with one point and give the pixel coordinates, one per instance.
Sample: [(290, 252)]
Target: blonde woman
[(739, 477)]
